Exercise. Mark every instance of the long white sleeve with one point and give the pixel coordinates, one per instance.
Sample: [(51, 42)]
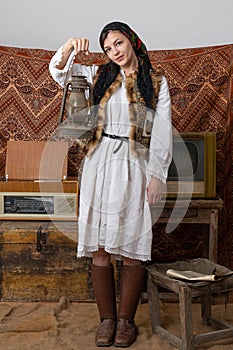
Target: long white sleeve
[(61, 76), (161, 139)]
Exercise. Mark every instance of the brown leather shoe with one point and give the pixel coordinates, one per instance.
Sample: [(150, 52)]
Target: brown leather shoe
[(106, 332), (125, 334)]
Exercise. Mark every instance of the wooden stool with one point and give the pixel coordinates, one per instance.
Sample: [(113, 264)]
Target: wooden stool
[(186, 291)]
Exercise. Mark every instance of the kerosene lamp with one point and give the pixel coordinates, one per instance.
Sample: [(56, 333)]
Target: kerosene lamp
[(78, 99)]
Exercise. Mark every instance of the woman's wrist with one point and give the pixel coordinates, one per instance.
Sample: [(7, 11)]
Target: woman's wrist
[(67, 49)]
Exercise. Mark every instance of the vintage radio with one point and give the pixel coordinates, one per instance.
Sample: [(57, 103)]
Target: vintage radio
[(36, 185)]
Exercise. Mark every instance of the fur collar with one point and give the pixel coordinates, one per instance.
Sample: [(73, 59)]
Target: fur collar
[(137, 113)]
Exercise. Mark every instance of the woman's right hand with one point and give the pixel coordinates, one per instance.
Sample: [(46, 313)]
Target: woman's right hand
[(79, 45)]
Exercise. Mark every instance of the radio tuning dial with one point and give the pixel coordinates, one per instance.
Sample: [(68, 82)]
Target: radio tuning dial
[(13, 208)]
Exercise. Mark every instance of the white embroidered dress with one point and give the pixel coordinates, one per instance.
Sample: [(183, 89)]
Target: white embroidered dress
[(113, 209)]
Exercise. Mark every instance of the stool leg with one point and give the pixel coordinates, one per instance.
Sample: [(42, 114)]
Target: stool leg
[(206, 308), (185, 301), (154, 303)]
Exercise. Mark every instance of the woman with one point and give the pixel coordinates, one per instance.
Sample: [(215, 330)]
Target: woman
[(125, 170)]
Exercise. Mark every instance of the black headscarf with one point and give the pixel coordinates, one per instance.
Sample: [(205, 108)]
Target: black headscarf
[(110, 70)]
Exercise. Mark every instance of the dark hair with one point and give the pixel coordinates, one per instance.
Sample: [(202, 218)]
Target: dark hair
[(110, 70), (122, 27)]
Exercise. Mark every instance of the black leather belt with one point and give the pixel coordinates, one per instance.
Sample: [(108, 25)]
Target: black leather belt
[(116, 137)]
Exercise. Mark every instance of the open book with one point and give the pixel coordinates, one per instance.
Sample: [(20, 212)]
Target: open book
[(193, 276)]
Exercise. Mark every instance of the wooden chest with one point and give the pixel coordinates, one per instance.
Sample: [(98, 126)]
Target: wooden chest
[(38, 262)]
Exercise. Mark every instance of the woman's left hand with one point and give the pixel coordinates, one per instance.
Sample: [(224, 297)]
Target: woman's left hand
[(154, 190)]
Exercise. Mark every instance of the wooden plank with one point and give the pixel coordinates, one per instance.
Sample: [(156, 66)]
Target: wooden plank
[(169, 337), (212, 336), (216, 203), (206, 308), (68, 186), (213, 235), (219, 323), (185, 302), (50, 286), (154, 303), (30, 160)]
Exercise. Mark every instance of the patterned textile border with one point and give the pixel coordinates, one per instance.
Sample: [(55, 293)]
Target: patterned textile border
[(200, 82)]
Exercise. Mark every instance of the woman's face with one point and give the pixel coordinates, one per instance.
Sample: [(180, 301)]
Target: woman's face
[(119, 50)]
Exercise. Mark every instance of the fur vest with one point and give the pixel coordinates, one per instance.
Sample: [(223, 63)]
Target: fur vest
[(140, 117)]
